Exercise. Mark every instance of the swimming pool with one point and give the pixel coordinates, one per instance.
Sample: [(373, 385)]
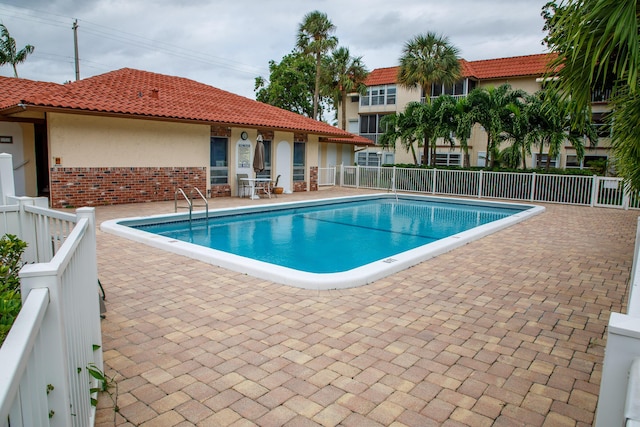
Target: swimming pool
[(329, 243)]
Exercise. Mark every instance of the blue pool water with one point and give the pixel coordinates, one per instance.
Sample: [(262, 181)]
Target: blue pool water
[(334, 237)]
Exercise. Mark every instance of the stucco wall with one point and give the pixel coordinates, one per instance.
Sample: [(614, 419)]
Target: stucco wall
[(105, 160), (92, 141)]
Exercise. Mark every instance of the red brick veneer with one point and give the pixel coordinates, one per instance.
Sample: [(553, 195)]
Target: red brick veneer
[(111, 186)]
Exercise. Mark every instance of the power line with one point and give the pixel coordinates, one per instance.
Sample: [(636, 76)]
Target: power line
[(131, 39)]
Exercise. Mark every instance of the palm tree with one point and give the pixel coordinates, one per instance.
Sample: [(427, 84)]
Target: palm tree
[(399, 127), (491, 112), (314, 37), (427, 59), (344, 74), (554, 125), (8, 53), (518, 130), (464, 121), (597, 44)]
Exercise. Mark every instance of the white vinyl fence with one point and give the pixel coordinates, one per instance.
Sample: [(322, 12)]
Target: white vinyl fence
[(44, 359), (533, 187), (619, 398), (327, 176)]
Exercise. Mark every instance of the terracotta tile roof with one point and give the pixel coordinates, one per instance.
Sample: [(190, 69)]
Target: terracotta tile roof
[(13, 90), (356, 140), (515, 66), (145, 94), (382, 76)]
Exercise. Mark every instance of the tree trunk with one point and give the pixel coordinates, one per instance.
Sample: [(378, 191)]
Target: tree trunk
[(316, 91), (466, 161), (343, 96), (524, 157)]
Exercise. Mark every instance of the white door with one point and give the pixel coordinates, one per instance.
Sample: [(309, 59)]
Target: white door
[(284, 165)]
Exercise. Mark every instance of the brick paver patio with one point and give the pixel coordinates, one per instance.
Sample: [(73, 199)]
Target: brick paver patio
[(505, 331)]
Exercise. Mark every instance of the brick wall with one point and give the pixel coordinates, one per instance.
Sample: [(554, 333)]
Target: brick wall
[(313, 181), (79, 187)]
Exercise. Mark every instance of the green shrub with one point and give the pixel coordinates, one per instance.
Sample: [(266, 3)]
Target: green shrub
[(11, 250)]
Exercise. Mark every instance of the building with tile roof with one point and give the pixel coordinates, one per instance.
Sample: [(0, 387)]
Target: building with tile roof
[(386, 96), (133, 136)]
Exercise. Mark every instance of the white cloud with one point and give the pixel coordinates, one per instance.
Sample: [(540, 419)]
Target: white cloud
[(227, 44)]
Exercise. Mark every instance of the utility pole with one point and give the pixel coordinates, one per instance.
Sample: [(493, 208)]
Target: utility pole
[(75, 48)]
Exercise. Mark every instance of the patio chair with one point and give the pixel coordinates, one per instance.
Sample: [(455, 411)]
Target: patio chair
[(243, 186)]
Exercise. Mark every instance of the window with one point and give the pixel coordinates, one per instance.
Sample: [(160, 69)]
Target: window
[(266, 173), (219, 161), (541, 161), (586, 163), (370, 126), (456, 89), (448, 159), (365, 158), (298, 161), (379, 95), (602, 124)]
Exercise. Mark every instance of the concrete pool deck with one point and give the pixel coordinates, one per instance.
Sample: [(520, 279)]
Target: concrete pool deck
[(508, 330)]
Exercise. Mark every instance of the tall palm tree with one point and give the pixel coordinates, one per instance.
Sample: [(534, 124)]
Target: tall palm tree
[(426, 59), (518, 130), (344, 74), (491, 112), (597, 43), (8, 52), (315, 38)]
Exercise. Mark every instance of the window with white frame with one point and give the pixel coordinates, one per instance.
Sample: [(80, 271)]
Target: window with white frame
[(448, 159), (586, 163), (602, 124), (298, 161), (370, 126), (379, 95), (540, 161), (368, 158), (219, 166)]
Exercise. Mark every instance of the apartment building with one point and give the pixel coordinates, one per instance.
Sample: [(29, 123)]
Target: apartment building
[(386, 96)]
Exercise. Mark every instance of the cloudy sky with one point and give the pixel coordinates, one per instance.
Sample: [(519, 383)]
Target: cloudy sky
[(227, 43)]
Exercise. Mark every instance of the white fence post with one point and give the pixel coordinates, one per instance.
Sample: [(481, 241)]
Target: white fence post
[(434, 181), (594, 191), (623, 346), (54, 340), (480, 184), (357, 176), (92, 270), (533, 186), (27, 231), (7, 185)]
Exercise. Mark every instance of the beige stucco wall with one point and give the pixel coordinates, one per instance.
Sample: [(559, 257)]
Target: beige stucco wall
[(93, 141)]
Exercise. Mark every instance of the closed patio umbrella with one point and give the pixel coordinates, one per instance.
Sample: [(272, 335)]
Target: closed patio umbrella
[(258, 157)]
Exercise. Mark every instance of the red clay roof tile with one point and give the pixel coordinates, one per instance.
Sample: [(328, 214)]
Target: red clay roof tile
[(516, 66), (146, 94)]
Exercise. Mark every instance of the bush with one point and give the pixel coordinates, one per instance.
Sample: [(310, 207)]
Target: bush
[(11, 250)]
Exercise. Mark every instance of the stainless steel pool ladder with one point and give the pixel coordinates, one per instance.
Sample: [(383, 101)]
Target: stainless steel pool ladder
[(189, 199), (392, 187)]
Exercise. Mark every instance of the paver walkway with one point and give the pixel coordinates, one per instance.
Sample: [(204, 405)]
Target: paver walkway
[(505, 331)]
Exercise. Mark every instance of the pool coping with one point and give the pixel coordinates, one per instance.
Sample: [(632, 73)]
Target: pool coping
[(322, 281)]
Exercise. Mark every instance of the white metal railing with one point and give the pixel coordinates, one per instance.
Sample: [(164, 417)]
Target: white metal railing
[(43, 362), (534, 187), (327, 176)]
